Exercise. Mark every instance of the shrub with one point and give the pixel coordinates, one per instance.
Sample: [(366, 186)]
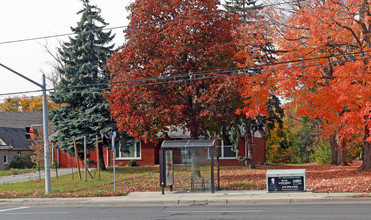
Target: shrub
[(322, 153), (22, 162), (132, 163)]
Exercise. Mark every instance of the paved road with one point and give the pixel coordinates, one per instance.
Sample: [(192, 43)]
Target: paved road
[(353, 211), (243, 197), (32, 176)]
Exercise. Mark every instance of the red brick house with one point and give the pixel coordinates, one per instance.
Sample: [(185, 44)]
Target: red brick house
[(14, 124), (148, 153)]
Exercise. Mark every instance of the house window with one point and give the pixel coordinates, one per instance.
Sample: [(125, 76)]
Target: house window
[(6, 159), (128, 151), (186, 156), (226, 152), (19, 153)]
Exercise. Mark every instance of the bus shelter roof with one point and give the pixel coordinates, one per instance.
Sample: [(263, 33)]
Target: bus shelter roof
[(190, 143)]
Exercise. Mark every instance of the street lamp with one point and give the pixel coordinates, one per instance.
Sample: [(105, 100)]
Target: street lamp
[(45, 127)]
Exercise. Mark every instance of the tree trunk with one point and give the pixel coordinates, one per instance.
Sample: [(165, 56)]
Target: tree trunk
[(342, 161), (334, 149), (250, 159), (367, 151), (102, 166), (196, 173)]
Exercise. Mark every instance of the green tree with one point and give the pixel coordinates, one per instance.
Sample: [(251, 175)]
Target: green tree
[(83, 77), (297, 141), (307, 135)]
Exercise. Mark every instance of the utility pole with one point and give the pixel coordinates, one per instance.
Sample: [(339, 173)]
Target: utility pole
[(113, 158), (45, 126)]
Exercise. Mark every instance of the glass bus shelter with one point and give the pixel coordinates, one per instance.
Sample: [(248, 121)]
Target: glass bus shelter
[(197, 158)]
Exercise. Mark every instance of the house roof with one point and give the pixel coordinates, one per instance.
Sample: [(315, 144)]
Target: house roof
[(190, 143), (20, 119), (14, 137), (179, 133)]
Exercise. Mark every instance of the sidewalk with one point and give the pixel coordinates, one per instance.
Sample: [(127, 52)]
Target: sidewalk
[(186, 199)]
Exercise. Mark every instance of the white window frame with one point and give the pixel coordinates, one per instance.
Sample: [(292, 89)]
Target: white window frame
[(6, 159), (120, 157), (222, 152), (186, 158), (19, 153)]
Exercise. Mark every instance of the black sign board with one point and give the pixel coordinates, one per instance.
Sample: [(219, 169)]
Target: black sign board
[(285, 183)]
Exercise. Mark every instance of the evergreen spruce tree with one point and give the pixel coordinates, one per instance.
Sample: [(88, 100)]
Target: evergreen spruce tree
[(84, 111), (245, 8)]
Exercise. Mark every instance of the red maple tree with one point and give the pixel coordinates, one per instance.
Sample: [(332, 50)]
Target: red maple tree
[(168, 74)]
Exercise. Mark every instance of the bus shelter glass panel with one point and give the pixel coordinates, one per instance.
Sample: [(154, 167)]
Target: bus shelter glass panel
[(193, 165), (196, 166)]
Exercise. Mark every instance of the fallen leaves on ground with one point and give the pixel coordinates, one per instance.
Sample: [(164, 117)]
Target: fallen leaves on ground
[(319, 178)]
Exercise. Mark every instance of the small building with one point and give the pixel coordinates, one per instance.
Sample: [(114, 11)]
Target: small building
[(13, 142)]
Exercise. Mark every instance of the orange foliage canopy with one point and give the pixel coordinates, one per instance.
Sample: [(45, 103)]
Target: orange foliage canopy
[(255, 40), (330, 78)]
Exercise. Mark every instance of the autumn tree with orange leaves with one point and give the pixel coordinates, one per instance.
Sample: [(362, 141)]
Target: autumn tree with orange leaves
[(254, 37), (327, 73)]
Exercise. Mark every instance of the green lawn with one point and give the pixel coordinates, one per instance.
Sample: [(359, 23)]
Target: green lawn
[(128, 179)]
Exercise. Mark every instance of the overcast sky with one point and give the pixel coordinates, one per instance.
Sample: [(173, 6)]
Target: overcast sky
[(22, 19), (25, 19)]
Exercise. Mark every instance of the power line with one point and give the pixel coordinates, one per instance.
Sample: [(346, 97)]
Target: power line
[(23, 92), (205, 74), (147, 23), (228, 70), (232, 75)]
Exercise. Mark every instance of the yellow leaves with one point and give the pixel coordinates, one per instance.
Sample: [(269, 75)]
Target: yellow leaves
[(32, 103)]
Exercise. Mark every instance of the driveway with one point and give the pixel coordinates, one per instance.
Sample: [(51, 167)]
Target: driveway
[(34, 175)]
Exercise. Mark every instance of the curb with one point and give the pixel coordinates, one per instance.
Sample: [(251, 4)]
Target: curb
[(114, 201)]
